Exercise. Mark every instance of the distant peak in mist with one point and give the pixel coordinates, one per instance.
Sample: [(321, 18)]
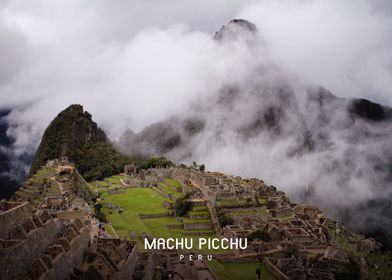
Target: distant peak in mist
[(369, 110), (235, 29)]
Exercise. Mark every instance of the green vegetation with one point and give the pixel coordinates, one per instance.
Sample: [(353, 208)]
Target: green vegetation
[(174, 183), (379, 265), (351, 271), (170, 190), (260, 211), (152, 162), (39, 186), (109, 229), (259, 235), (134, 201), (340, 240), (75, 135), (79, 187), (98, 160), (44, 184), (226, 220), (233, 203), (98, 213), (243, 271), (138, 202), (286, 217), (182, 206)]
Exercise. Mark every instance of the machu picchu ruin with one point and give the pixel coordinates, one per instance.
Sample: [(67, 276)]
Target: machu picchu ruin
[(58, 226)]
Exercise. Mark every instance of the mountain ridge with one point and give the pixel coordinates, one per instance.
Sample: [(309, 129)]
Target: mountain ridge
[(75, 135)]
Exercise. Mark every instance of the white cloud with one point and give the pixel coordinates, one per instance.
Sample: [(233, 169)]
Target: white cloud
[(132, 63)]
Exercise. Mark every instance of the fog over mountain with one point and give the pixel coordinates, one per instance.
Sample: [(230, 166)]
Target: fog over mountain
[(270, 97)]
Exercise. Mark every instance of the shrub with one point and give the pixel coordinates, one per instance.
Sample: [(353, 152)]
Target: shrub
[(182, 206), (98, 213), (259, 235), (226, 220), (271, 204)]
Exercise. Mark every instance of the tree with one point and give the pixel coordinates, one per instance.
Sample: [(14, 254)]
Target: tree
[(258, 235), (226, 220), (271, 204), (98, 214), (183, 206), (202, 167), (350, 271)]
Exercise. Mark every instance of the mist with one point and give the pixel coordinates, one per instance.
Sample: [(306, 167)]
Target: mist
[(273, 104)]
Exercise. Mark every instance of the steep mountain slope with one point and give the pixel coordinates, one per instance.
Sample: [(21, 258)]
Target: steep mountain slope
[(75, 135)]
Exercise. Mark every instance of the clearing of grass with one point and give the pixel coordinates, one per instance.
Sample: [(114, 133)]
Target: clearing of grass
[(235, 271), (133, 202)]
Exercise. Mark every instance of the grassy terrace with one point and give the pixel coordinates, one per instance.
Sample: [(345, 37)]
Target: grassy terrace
[(200, 208), (40, 185), (135, 201), (170, 190), (286, 217), (235, 271), (232, 203), (174, 183), (114, 181), (262, 211)]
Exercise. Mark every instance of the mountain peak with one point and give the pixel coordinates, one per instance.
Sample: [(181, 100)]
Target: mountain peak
[(75, 135), (235, 29)]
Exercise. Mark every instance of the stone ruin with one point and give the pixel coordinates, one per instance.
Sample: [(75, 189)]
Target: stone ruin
[(130, 169), (299, 245), (62, 245)]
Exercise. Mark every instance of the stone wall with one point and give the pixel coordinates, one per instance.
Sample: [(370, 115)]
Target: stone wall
[(64, 263), (132, 260), (197, 226), (19, 257), (149, 268), (14, 217), (71, 215), (275, 271), (151, 216)]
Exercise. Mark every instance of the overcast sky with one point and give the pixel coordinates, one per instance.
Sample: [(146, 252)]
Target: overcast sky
[(131, 63)]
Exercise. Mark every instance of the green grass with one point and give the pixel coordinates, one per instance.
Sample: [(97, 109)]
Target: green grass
[(286, 217), (137, 201), (236, 271), (232, 203), (382, 261), (200, 208), (170, 190), (133, 201), (340, 241), (166, 188), (261, 211), (113, 181), (109, 230), (40, 185), (262, 201), (174, 183)]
